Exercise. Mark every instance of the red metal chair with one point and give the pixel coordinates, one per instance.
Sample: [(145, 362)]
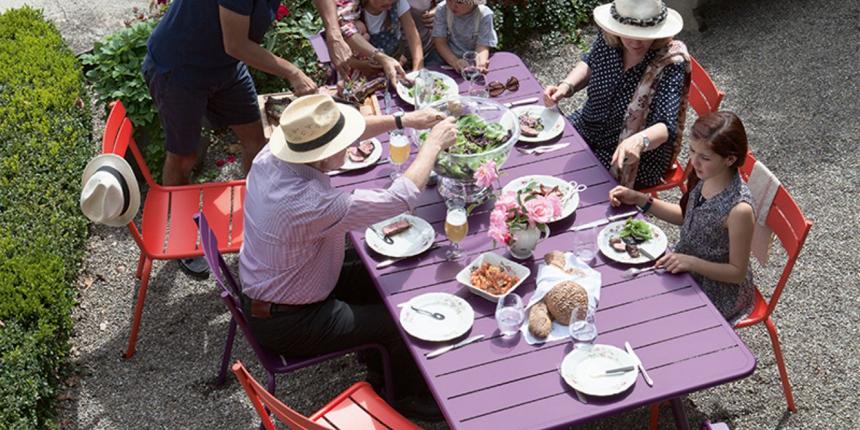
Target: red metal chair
[(791, 227), (704, 98), (167, 231), (357, 408)]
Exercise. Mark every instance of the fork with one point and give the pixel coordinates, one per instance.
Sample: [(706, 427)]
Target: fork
[(543, 149)]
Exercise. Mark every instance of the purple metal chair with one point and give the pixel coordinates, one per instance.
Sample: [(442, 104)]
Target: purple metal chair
[(273, 363)]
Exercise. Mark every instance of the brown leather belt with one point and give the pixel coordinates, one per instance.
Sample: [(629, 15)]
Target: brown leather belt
[(261, 309)]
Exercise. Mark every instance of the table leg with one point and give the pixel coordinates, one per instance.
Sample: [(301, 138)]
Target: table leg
[(681, 422)]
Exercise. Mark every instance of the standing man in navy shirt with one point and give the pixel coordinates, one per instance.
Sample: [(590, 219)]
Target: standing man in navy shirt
[(197, 65)]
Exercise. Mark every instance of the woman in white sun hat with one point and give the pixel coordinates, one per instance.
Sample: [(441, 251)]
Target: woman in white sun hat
[(300, 292), (637, 78)]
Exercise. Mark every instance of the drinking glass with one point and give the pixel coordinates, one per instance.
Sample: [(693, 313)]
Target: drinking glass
[(423, 89), (398, 151), (478, 86), (456, 228), (510, 314), (582, 329), (585, 244), (469, 65)]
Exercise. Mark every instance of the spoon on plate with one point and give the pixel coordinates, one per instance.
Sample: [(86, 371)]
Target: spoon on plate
[(430, 314)]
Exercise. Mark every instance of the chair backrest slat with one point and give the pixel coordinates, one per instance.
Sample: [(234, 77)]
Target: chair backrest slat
[(119, 138), (704, 95), (260, 397), (115, 118)]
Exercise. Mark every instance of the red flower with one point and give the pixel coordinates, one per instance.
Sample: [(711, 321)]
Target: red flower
[(283, 12), (219, 163), (231, 158)]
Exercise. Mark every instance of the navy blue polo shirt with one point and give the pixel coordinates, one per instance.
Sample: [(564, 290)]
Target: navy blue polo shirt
[(188, 40)]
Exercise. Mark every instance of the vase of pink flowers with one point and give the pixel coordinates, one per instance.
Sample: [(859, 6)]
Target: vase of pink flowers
[(520, 218)]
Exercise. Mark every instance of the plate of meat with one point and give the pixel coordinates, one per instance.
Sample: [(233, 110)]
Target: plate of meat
[(538, 123), (545, 185), (401, 236), (633, 241), (363, 154)]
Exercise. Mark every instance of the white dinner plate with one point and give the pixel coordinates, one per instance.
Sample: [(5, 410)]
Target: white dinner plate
[(368, 161), (571, 197), (655, 246), (581, 369), (451, 88), (552, 120), (411, 242), (459, 317)]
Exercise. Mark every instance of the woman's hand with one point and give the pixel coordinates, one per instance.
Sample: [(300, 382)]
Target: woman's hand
[(429, 17), (424, 118), (627, 152), (623, 195), (553, 94), (444, 133), (302, 84), (392, 68), (674, 262)]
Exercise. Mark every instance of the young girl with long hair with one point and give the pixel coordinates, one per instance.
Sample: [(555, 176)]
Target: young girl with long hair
[(715, 215)]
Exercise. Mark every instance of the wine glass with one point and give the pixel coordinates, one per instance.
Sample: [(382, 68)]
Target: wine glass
[(478, 86), (582, 329), (510, 314), (398, 151), (456, 228)]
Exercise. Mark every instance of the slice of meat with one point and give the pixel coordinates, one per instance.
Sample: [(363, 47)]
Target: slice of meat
[(632, 250), (355, 155), (617, 244), (366, 148), (528, 131), (396, 227)]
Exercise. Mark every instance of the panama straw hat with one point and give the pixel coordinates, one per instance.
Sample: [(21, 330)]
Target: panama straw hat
[(110, 194), (313, 128), (638, 19)]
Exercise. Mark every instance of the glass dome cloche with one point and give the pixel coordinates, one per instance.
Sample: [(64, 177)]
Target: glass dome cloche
[(486, 131)]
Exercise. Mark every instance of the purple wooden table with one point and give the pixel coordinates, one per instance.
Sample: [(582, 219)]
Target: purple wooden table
[(680, 337)]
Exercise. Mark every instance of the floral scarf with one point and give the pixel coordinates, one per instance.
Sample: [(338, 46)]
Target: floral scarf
[(675, 52)]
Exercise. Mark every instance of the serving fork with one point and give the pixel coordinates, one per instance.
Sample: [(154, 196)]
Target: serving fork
[(543, 149)]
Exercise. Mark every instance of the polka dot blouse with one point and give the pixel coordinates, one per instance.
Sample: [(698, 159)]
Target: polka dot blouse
[(610, 90)]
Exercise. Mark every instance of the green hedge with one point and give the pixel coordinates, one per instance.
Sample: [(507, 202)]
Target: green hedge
[(45, 130)]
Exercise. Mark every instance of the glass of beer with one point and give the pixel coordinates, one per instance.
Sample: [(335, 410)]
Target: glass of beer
[(456, 228), (398, 151)]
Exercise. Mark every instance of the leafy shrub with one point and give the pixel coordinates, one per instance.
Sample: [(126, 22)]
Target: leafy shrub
[(45, 129), (114, 69), (517, 20)]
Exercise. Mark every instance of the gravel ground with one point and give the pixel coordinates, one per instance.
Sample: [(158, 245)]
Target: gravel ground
[(790, 73)]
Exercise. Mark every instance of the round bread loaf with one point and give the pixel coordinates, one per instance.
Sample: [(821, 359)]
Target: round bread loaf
[(563, 298)]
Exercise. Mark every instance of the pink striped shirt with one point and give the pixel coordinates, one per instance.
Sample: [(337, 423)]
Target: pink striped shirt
[(296, 225)]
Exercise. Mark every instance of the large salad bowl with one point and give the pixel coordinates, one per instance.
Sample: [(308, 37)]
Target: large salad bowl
[(487, 131)]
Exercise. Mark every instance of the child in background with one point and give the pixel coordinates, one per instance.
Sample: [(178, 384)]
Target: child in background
[(715, 215), (461, 26)]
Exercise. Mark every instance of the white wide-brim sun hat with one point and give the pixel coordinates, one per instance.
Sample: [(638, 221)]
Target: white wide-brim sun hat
[(642, 10), (110, 194), (313, 128)]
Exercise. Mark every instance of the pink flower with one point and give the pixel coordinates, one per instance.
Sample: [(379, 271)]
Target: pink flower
[(499, 233), (542, 210), (283, 12), (507, 201), (556, 204), (486, 174), (231, 158)]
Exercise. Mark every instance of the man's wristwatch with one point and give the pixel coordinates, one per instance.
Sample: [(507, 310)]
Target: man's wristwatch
[(398, 120)]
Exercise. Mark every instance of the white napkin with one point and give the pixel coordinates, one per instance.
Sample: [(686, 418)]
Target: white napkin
[(763, 186), (548, 276)]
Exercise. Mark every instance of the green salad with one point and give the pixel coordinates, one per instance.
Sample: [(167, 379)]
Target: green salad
[(637, 229), (440, 90)]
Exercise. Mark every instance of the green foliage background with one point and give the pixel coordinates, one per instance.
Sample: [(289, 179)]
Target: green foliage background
[(45, 127)]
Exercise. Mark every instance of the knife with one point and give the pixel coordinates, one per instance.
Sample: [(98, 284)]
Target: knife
[(646, 254), (339, 171), (462, 343), (602, 221), (638, 364), (385, 263), (522, 102), (387, 99), (611, 372)]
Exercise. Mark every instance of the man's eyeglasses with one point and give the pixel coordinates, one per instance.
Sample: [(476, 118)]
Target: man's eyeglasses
[(496, 88)]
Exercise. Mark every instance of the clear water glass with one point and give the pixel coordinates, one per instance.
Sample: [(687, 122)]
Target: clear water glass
[(585, 244), (510, 314), (469, 65), (423, 89), (582, 329), (478, 86)]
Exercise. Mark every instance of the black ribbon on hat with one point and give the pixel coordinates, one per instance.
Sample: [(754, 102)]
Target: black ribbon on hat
[(122, 183), (320, 141), (650, 22)]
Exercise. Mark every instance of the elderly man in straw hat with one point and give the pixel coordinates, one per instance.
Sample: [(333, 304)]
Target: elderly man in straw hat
[(637, 78), (300, 299)]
